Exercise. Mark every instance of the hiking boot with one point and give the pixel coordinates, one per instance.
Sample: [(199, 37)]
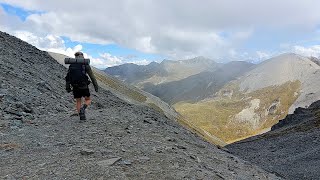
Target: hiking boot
[(82, 114)]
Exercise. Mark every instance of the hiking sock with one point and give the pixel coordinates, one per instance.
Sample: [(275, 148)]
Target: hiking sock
[(84, 107)]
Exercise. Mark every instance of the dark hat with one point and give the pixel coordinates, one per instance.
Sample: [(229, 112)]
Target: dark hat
[(78, 54)]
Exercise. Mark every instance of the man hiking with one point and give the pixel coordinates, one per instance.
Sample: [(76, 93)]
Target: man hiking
[(77, 79)]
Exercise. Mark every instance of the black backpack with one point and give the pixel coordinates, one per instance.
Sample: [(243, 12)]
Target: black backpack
[(77, 76)]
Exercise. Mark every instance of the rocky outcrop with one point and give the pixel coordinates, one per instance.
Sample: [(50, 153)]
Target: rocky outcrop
[(248, 115), (40, 140), (291, 149)]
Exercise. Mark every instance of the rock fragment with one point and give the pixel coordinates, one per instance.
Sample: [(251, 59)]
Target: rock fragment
[(86, 151), (108, 162)]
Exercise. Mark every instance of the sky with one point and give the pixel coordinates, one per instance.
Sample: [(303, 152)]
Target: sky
[(114, 32)]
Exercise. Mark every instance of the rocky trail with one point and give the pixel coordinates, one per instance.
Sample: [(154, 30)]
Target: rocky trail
[(122, 142)]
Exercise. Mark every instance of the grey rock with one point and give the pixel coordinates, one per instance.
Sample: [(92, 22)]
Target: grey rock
[(108, 162), (180, 146), (18, 117), (170, 139), (86, 151), (144, 158), (126, 162)]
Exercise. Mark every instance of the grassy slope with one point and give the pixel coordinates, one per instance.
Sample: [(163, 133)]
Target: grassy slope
[(120, 88), (217, 116)]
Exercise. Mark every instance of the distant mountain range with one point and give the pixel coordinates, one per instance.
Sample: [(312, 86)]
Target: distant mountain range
[(236, 100), (158, 73), (199, 86)]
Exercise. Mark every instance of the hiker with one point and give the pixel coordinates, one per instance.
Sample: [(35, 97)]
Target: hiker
[(79, 81)]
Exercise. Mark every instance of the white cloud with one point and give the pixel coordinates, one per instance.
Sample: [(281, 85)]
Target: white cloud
[(49, 42), (145, 45), (180, 28), (307, 51), (263, 55), (107, 60), (98, 63), (56, 44), (140, 62), (111, 60)]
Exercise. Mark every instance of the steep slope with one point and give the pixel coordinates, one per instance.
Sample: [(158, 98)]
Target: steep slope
[(119, 141), (291, 149), (258, 100), (200, 86), (284, 68), (166, 71)]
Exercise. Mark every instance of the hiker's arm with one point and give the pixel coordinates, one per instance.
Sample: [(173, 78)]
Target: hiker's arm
[(93, 79), (68, 87)]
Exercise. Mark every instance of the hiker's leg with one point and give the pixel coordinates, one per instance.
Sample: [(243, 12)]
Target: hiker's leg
[(78, 104), (82, 112), (87, 100)]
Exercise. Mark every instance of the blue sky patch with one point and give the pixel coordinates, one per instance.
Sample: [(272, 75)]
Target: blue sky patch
[(16, 11)]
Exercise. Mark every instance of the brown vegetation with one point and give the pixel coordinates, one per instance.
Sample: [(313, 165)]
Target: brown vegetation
[(216, 116)]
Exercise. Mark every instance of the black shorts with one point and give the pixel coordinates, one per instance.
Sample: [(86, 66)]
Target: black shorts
[(79, 93)]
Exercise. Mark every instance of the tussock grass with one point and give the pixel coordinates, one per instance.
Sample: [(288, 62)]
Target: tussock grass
[(201, 132), (155, 107), (120, 88), (9, 146), (216, 116)]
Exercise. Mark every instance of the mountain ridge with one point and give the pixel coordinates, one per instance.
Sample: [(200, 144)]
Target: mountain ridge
[(199, 86), (158, 73)]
